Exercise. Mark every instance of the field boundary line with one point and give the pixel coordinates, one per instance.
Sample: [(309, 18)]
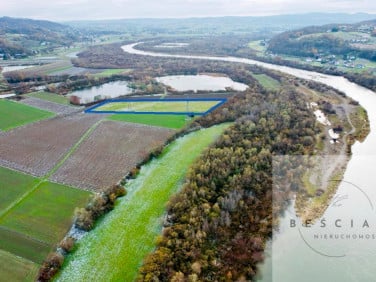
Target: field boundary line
[(72, 150), (29, 237), (20, 199), (50, 173)]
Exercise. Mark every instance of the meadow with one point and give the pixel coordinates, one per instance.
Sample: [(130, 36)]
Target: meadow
[(179, 106), (127, 236), (14, 114), (267, 82), (168, 121)]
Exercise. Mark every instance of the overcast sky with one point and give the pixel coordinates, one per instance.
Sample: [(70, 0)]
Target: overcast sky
[(60, 10)]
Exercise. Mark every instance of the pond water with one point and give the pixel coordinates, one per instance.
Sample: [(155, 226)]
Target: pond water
[(105, 91), (201, 82)]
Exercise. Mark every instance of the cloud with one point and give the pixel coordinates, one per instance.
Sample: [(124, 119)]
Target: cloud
[(99, 9)]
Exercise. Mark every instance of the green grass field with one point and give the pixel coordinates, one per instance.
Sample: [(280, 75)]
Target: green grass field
[(16, 269), (120, 242), (267, 82), (23, 246), (110, 72), (46, 213), (160, 106), (52, 97), (31, 228), (14, 114), (13, 185), (168, 121)]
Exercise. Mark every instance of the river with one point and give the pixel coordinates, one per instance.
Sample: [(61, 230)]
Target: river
[(295, 255)]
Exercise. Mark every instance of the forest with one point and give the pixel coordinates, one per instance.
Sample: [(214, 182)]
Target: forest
[(217, 226)]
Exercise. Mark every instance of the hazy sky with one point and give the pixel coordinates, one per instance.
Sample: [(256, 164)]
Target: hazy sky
[(61, 10)]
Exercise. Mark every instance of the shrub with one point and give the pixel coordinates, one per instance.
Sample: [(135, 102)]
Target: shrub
[(67, 244), (84, 219), (50, 266)]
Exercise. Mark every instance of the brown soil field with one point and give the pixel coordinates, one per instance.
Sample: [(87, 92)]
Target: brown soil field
[(50, 106), (109, 153), (36, 148)]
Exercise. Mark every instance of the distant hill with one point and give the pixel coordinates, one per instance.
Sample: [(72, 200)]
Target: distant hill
[(219, 25), (23, 37), (357, 40)]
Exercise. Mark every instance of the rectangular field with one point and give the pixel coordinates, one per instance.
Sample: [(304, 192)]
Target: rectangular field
[(23, 245), (46, 105), (159, 106), (52, 97), (15, 114), (36, 148), (47, 213), (168, 121), (101, 161)]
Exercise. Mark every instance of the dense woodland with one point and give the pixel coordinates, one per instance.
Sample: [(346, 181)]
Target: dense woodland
[(217, 225)]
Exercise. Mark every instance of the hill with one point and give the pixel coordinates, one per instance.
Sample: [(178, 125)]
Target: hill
[(327, 41), (23, 37), (218, 25)]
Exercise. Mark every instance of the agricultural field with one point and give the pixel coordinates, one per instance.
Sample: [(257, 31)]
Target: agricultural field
[(16, 185), (45, 214), (36, 148), (56, 108), (34, 216), (15, 268), (52, 97), (100, 162), (168, 121), (129, 234), (58, 67), (179, 106), (15, 114)]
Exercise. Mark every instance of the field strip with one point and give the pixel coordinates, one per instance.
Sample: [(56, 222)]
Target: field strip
[(16, 268), (6, 229), (52, 171)]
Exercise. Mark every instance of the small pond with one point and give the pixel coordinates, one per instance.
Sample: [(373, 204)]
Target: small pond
[(201, 83), (105, 91)]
